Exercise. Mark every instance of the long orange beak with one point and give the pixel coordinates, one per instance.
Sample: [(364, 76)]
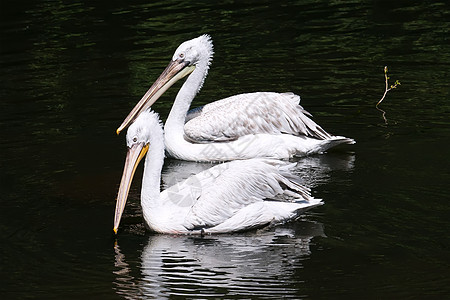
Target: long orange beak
[(176, 70), (134, 156)]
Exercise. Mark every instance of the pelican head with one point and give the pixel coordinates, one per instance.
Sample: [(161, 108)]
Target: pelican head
[(145, 131), (189, 55)]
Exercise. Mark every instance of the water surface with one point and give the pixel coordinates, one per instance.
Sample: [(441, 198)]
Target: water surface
[(70, 73)]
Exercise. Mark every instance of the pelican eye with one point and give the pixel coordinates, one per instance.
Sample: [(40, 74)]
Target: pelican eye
[(181, 55), (134, 139)]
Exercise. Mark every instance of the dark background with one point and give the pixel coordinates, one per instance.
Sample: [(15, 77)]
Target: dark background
[(71, 71)]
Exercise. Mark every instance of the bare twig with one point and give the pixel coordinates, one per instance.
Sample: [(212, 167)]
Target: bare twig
[(387, 89)]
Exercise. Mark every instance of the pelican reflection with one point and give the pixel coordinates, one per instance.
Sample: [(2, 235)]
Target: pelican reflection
[(256, 264)]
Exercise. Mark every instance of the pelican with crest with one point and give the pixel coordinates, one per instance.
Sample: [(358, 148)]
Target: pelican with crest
[(259, 124), (228, 197)]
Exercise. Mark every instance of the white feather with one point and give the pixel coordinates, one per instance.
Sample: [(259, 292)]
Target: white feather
[(252, 113), (228, 197)]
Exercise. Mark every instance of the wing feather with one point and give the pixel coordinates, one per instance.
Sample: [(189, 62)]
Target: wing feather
[(238, 184), (252, 113)]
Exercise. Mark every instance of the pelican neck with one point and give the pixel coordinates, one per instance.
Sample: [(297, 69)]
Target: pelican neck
[(154, 161), (176, 119)]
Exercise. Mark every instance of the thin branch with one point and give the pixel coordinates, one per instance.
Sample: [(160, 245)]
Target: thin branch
[(387, 89)]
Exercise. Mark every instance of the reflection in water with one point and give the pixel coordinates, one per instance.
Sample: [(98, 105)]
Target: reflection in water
[(123, 270), (175, 171), (314, 170), (253, 264)]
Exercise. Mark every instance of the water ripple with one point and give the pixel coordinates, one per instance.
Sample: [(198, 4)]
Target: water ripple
[(246, 265)]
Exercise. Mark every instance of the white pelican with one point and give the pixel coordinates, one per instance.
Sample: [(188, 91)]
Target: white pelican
[(261, 124), (229, 197)]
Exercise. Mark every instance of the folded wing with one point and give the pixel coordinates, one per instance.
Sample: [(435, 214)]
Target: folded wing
[(252, 113)]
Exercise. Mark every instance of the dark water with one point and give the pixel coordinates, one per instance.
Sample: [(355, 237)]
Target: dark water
[(71, 71)]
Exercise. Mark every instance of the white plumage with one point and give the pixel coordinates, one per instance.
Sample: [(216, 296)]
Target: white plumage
[(260, 124), (244, 114), (228, 197)]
